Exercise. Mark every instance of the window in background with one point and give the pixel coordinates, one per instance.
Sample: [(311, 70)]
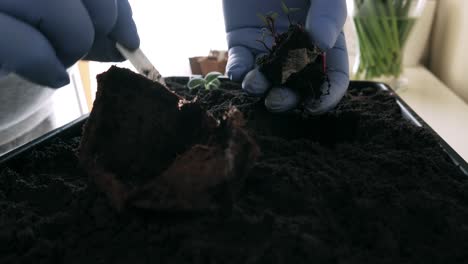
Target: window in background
[(171, 32)]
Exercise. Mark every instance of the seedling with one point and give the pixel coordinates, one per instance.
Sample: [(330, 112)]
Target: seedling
[(288, 11), (263, 39), (292, 61), (211, 81), (269, 20)]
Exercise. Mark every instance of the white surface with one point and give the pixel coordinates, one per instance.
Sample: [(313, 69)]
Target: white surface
[(172, 31), (69, 101), (449, 56), (417, 46), (438, 106)]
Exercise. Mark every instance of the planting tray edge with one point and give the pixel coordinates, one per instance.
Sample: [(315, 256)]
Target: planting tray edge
[(409, 114), (70, 128)]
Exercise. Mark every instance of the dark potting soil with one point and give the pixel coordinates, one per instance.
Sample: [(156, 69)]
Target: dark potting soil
[(357, 185)]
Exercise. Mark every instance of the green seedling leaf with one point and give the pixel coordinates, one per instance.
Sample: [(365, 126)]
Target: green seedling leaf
[(284, 7), (273, 15), (195, 83), (294, 9), (263, 18), (212, 76), (214, 84)]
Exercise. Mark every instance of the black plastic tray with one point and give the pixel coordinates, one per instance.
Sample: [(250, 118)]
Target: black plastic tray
[(69, 130), (410, 115), (74, 129)]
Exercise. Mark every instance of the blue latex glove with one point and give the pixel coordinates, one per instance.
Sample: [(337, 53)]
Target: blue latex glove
[(39, 40), (323, 19)]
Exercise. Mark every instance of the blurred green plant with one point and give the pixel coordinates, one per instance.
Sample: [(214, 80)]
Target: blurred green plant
[(382, 27), (288, 11), (211, 81), (269, 21)]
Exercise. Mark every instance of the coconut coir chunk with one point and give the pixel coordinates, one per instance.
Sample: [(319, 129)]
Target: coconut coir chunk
[(146, 147)]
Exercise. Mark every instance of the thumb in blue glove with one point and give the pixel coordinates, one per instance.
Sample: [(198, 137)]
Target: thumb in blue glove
[(323, 20), (325, 23), (41, 39)]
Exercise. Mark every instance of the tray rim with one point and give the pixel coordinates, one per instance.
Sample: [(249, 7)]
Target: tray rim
[(418, 121), (41, 140)]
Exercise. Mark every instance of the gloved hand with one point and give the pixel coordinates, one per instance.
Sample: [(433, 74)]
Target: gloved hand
[(323, 19), (39, 40)]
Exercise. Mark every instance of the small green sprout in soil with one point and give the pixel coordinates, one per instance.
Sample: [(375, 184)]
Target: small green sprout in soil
[(211, 81)]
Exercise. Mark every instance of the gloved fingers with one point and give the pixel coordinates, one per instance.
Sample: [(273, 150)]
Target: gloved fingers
[(338, 73), (66, 24), (28, 53), (281, 99), (103, 14), (325, 21), (240, 62), (104, 50), (125, 30), (255, 83)]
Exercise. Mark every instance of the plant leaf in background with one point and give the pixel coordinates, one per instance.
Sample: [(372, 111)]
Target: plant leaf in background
[(196, 82), (212, 76), (211, 81), (284, 7), (213, 84), (288, 10), (272, 15), (383, 27), (293, 9)]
